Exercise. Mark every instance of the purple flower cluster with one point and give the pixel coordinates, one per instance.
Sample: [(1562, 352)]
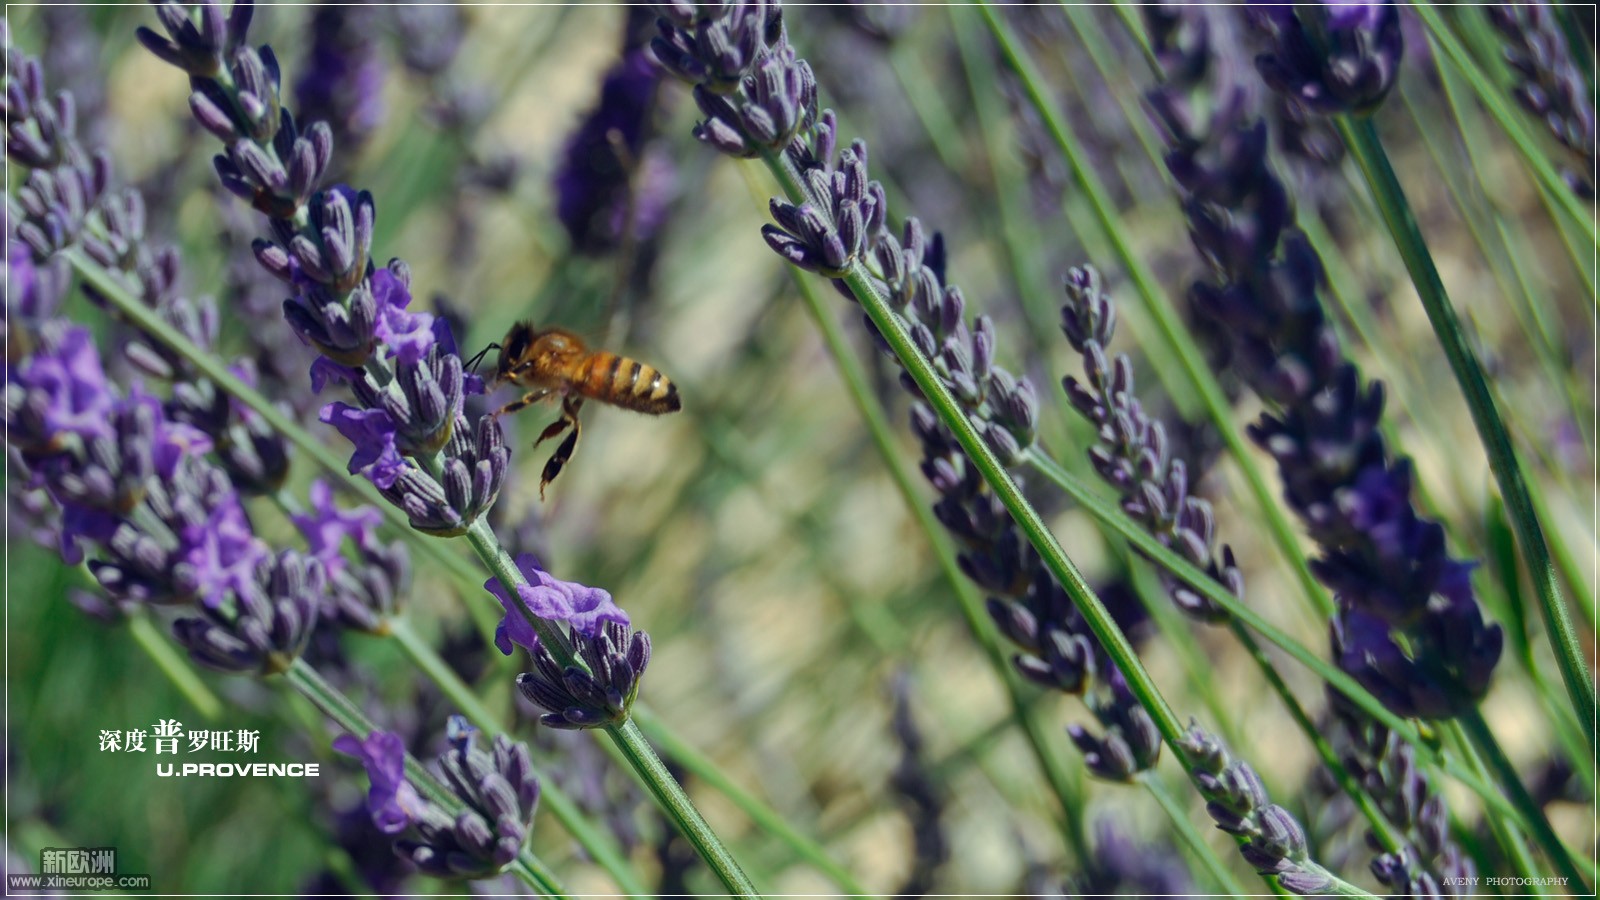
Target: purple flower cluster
[(1550, 86), (498, 790), (1342, 58), (1274, 842), (157, 521), (600, 692), (1408, 627), (1133, 454), (67, 200), (402, 366)]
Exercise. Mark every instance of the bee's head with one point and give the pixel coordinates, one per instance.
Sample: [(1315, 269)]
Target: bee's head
[(514, 350)]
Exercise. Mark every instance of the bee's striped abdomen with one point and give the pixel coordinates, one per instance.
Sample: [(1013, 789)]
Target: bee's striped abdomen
[(628, 383)]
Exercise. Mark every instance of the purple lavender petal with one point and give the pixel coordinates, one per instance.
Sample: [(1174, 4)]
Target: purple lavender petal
[(392, 800), (324, 370), (72, 382), (372, 431), (409, 335), (583, 608), (327, 526), (223, 553)]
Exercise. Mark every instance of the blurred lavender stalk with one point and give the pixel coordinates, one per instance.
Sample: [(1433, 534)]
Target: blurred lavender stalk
[(919, 795), (342, 73), (612, 188), (1550, 86)]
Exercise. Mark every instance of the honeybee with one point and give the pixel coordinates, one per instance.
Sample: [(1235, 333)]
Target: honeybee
[(556, 362)]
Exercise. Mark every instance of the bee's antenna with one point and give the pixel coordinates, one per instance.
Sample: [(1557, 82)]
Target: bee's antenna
[(472, 364)]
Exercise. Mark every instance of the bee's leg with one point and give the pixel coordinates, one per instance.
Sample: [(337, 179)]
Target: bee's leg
[(569, 416), (528, 399), (553, 429)]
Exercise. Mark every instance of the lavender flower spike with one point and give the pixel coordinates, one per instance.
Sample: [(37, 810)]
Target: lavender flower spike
[(1408, 626), (1551, 88), (1236, 799), (1132, 452), (1345, 59), (616, 657), (402, 366), (498, 789)]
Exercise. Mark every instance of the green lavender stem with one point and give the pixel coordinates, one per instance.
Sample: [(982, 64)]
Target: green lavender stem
[(892, 328), (1507, 835), (161, 651), (672, 798), (764, 817), (1532, 816), (1511, 251), (165, 655), (1362, 139)]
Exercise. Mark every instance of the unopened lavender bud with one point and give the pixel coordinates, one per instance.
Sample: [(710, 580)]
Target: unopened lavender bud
[(273, 258), (850, 229), (1015, 622), (309, 258), (209, 114), (1108, 758), (951, 306)]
